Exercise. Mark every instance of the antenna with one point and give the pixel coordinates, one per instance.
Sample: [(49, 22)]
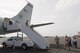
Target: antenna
[(27, 1)]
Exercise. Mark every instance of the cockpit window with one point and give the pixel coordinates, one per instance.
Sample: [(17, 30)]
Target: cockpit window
[(10, 22)]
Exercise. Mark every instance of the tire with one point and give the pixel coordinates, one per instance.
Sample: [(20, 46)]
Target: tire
[(24, 46), (4, 45)]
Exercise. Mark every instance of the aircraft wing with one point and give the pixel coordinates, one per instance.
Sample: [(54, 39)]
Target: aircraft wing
[(38, 25)]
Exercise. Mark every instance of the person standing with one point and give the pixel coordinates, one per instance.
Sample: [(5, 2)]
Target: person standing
[(75, 41), (66, 43), (70, 45), (57, 40)]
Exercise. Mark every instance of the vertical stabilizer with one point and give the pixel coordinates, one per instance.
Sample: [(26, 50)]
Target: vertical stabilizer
[(24, 16)]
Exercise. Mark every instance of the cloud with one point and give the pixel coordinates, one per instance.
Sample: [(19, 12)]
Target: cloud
[(67, 16), (10, 8)]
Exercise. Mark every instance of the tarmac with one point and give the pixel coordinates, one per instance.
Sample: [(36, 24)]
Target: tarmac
[(52, 49)]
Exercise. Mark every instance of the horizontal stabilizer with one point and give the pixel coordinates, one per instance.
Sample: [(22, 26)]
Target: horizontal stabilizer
[(38, 25)]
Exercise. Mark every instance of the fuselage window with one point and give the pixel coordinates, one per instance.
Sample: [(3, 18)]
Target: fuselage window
[(10, 22)]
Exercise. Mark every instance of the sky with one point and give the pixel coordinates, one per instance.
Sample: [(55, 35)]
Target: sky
[(64, 13)]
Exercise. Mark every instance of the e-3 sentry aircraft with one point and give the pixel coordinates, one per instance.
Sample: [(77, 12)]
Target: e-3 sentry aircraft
[(21, 22)]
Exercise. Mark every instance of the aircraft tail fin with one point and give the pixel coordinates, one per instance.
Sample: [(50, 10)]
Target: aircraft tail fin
[(24, 16)]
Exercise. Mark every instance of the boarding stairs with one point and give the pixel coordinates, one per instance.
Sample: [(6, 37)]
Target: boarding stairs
[(34, 36)]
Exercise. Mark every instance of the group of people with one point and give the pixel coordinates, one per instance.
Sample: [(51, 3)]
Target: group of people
[(68, 42)]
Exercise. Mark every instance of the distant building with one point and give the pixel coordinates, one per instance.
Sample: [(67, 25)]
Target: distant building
[(78, 35)]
